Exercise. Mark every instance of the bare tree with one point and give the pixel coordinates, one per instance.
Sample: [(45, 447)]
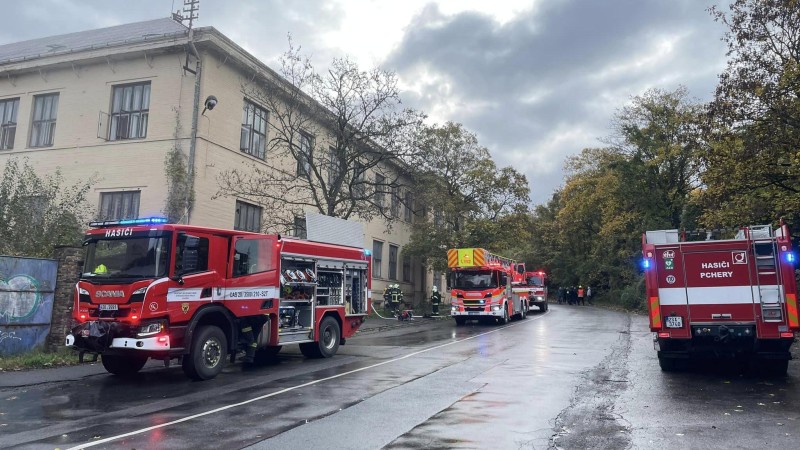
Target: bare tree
[(337, 143)]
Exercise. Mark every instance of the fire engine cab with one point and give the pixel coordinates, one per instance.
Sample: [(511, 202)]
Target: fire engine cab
[(533, 285), (481, 286), (733, 298), (150, 289)]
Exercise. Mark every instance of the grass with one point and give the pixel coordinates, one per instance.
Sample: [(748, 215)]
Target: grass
[(38, 359)]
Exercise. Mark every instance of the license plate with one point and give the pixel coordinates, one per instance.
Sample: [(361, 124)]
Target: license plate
[(109, 307), (473, 313), (674, 322)]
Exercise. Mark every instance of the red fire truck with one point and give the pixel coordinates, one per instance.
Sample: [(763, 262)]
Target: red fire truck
[(481, 286), (150, 289), (733, 298), (533, 286)]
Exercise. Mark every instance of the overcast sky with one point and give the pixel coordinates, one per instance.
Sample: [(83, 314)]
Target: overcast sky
[(536, 80)]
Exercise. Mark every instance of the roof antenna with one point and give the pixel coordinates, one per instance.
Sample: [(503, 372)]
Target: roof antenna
[(190, 12)]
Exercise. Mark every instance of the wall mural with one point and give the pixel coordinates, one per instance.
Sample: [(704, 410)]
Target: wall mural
[(26, 303)]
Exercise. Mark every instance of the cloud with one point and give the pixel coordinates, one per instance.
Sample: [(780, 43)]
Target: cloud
[(546, 84)]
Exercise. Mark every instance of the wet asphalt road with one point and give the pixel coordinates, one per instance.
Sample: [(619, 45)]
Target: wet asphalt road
[(576, 377)]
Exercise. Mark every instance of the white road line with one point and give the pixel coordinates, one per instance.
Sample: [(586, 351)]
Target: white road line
[(283, 391)]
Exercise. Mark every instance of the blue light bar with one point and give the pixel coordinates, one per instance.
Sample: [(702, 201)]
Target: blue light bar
[(645, 263), (367, 252), (790, 257), (140, 221)]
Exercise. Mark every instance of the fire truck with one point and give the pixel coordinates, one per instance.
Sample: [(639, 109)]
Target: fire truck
[(150, 289), (481, 286), (534, 288), (732, 298)]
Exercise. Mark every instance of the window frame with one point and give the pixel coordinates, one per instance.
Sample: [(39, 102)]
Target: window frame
[(409, 212), (377, 258), (393, 252), (304, 155), (143, 113), (248, 132), (37, 134), (247, 209), (8, 122), (407, 269), (299, 229), (380, 180), (117, 205)]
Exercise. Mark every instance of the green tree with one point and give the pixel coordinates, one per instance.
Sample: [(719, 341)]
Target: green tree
[(38, 213), (468, 200), (753, 166)]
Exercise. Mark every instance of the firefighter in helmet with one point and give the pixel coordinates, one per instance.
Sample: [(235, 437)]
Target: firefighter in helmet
[(436, 300), (394, 296)]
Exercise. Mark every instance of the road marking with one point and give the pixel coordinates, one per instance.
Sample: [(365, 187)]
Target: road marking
[(283, 391)]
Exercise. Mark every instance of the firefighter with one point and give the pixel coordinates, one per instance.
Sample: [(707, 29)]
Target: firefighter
[(247, 337), (581, 301), (101, 269), (436, 300), (396, 298)]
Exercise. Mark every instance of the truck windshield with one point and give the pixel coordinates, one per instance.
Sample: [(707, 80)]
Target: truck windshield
[(474, 280), (134, 257), (535, 281)]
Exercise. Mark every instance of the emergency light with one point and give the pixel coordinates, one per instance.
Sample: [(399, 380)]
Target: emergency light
[(789, 257), (140, 221), (645, 264)]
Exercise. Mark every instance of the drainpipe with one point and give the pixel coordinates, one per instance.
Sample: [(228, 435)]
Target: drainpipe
[(195, 114)]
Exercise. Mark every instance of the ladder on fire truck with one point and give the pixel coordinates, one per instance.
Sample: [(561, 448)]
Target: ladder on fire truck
[(768, 277)]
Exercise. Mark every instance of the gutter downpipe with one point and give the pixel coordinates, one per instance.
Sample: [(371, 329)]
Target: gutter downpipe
[(193, 141)]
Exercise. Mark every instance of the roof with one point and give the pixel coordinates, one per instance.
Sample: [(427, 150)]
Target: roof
[(91, 39)]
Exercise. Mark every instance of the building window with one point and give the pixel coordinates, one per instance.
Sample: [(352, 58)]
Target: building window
[(396, 202), (303, 161), (407, 268), (300, 228), (334, 169), (130, 108), (43, 127), (8, 122), (254, 130), (409, 214), (248, 217), (437, 280), (379, 182), (359, 181), (119, 205), (393, 262), (377, 258)]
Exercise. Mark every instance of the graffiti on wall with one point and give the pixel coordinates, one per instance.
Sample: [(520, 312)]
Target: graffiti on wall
[(26, 302)]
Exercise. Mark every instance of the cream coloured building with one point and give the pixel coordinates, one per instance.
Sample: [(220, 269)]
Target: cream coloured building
[(112, 103)]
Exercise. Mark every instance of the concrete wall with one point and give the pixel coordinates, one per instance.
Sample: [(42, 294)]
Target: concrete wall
[(70, 262)]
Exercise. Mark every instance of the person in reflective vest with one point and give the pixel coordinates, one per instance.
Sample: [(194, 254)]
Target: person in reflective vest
[(436, 300)]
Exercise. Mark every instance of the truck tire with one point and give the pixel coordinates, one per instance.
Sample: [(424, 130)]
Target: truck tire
[(123, 365), (504, 319), (329, 338), (544, 306), (667, 364), (208, 353), (523, 312), (460, 321)]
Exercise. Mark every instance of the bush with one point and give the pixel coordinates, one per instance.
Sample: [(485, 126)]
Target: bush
[(39, 213), (630, 298)]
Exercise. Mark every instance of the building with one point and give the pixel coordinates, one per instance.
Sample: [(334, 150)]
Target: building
[(114, 103)]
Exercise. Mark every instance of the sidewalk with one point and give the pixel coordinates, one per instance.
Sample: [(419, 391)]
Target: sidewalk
[(376, 324)]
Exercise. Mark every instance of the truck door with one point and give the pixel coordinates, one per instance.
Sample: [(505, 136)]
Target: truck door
[(252, 285), (194, 273)]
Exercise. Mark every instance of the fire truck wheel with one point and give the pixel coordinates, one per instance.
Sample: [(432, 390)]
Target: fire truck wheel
[(667, 364), (523, 313), (208, 354), (460, 321), (328, 344), (504, 319), (123, 365)]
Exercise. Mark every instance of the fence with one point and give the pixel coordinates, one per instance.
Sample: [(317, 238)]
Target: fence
[(27, 287)]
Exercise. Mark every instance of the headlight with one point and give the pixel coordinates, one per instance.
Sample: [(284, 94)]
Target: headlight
[(482, 302), (539, 298), (495, 308), (82, 291), (151, 329), (140, 291)]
